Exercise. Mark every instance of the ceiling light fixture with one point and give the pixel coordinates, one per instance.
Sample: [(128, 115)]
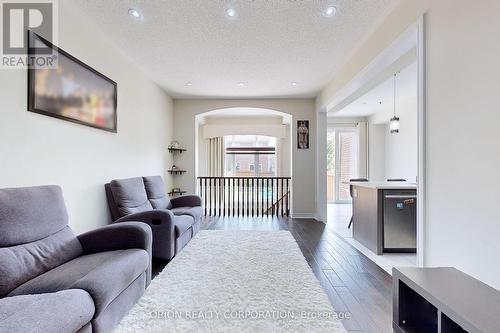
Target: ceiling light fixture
[(231, 13), (394, 123), (294, 83), (329, 11), (188, 84), (241, 84), (135, 13)]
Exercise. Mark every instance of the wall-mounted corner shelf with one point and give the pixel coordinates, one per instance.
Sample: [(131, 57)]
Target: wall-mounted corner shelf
[(176, 150), (176, 172)]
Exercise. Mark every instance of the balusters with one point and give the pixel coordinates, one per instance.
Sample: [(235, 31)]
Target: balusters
[(204, 194), (234, 190), (273, 197), (257, 197), (210, 197), (282, 195), (267, 197), (287, 197), (245, 196), (224, 197), (252, 198)]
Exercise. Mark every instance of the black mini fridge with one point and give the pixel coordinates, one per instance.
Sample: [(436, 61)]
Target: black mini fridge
[(400, 221)]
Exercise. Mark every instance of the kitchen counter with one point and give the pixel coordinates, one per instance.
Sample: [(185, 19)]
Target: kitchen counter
[(386, 185), (384, 218)]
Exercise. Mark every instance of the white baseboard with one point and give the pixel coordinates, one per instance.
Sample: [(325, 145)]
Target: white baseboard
[(320, 219), (304, 216)]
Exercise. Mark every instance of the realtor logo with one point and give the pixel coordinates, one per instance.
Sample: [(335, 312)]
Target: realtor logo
[(19, 17)]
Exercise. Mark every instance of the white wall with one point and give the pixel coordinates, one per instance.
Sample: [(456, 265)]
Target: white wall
[(303, 165), (376, 151), (394, 155), (401, 153), (462, 221), (36, 149)]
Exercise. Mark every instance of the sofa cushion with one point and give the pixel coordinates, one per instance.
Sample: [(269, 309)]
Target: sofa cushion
[(64, 311), (194, 212), (130, 195), (21, 263), (28, 214), (182, 223), (103, 275), (155, 189)]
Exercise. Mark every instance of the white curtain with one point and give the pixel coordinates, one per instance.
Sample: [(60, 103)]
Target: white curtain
[(363, 166), (215, 156)]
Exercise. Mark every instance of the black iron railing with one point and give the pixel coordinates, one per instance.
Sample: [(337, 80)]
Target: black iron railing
[(245, 196)]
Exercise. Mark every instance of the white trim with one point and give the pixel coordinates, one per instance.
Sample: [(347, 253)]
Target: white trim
[(421, 143)]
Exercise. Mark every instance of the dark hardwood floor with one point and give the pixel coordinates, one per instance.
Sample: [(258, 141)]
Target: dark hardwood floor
[(352, 282)]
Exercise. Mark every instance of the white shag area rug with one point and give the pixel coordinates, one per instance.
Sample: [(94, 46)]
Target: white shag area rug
[(235, 281)]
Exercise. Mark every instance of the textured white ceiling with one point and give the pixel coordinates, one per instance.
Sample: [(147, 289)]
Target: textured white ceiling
[(269, 45)]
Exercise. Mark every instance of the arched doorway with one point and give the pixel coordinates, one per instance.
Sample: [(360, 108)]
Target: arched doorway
[(244, 161)]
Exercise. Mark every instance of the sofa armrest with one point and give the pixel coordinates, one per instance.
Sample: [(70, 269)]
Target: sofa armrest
[(121, 236), (162, 224), (186, 201)]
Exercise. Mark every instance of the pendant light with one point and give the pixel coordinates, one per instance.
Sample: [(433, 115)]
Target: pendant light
[(394, 123)]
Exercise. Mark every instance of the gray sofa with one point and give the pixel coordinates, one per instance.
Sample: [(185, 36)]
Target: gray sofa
[(173, 221), (52, 281)]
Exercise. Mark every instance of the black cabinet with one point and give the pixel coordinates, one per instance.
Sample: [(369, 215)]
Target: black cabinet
[(416, 314)]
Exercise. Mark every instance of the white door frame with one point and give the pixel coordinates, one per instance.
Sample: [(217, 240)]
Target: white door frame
[(382, 67), (421, 103)]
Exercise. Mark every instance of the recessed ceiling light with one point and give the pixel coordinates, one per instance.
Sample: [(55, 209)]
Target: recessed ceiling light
[(329, 11), (188, 84), (135, 13), (294, 83), (241, 84), (231, 13)]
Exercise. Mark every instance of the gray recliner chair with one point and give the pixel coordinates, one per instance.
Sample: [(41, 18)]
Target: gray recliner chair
[(174, 221), (52, 281)]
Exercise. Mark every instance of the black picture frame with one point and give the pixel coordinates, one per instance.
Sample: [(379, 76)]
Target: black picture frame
[(61, 53), (302, 134)]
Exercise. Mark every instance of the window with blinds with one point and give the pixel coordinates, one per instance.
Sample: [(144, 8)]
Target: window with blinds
[(250, 156)]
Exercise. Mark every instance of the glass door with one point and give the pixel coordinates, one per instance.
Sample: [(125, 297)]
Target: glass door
[(342, 163), (330, 166)]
